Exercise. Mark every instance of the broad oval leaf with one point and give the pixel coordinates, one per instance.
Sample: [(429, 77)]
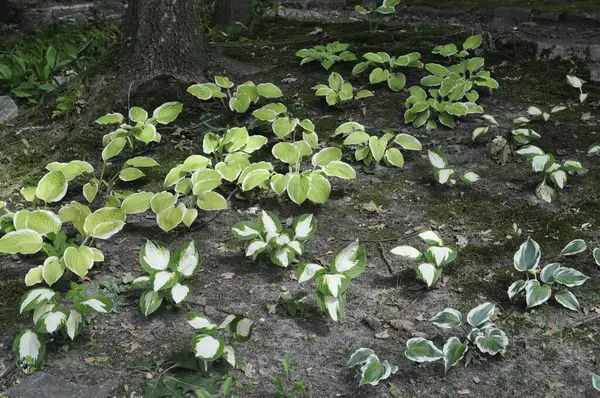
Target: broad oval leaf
[(574, 247), (480, 314), (447, 318), (421, 350)]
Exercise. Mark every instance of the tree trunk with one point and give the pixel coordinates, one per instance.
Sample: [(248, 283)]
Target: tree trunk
[(164, 40), (228, 12), (5, 12)]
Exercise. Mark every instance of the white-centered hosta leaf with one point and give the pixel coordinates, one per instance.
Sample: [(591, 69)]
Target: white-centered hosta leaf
[(241, 328), (447, 318), (200, 322), (440, 255), (92, 304), (163, 280), (574, 247), (359, 356), (528, 256), (255, 248), (24, 241), (332, 306), (150, 301), (307, 271), (480, 314), (229, 355), (140, 281), (74, 324), (187, 259), (207, 347), (437, 159), (596, 254), (155, 256), (332, 284), (406, 252), (29, 348), (536, 294), (32, 298), (304, 226), (431, 237), (269, 223), (421, 350), (428, 273), (246, 230), (454, 350), (350, 260), (179, 293), (51, 321)]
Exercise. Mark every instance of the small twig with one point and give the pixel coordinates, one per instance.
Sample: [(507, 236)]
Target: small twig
[(33, 128), (588, 320), (385, 258), (7, 371)]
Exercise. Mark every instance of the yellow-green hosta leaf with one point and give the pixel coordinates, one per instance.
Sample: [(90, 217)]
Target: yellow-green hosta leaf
[(377, 146), (298, 187), (394, 157), (89, 191), (202, 187), (175, 175), (195, 162), (104, 222), (378, 75), (408, 142), (255, 142), (326, 156), (200, 91), (286, 152), (20, 219), (240, 102), (43, 222), (212, 201), (278, 183), (340, 170), (137, 114), (223, 82), (167, 112), (320, 188), (24, 241), (34, 276), (146, 133), (97, 255), (130, 174), (113, 148), (229, 171), (162, 201), (52, 187), (52, 270), (70, 170), (205, 175), (137, 202), (255, 178), (170, 217), (396, 81), (79, 260), (28, 193), (75, 213), (472, 42), (111, 118), (283, 126), (269, 90), (141, 161)]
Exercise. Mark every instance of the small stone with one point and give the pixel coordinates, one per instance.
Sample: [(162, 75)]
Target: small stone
[(149, 376), (210, 311), (8, 109), (382, 335)]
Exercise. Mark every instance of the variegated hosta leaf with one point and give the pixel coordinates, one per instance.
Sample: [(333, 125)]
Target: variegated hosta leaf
[(32, 298), (171, 217), (269, 223), (137, 202), (93, 304), (547, 273), (141, 281), (52, 187), (207, 347), (246, 230), (447, 318), (406, 252), (437, 159), (241, 328), (574, 247), (304, 227), (332, 306), (255, 248), (43, 222), (104, 222), (374, 371), (307, 271), (34, 276), (229, 355), (201, 323), (492, 341), (350, 260), (596, 254), (332, 284), (29, 349), (567, 300), (528, 256), (24, 241), (150, 301), (421, 350), (480, 314), (179, 292), (51, 321), (535, 294), (52, 270), (282, 256), (154, 256), (428, 273), (74, 324), (79, 260), (454, 350), (516, 288), (440, 255), (569, 277), (359, 356), (163, 280), (186, 259), (431, 237), (596, 382)]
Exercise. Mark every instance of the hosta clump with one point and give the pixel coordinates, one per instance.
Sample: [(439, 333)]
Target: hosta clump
[(236, 140), (209, 344), (555, 172), (445, 175), (437, 256), (386, 68), (333, 281), (327, 55), (483, 334), (267, 235), (536, 113), (371, 368), (339, 91), (241, 99), (50, 317), (166, 274), (551, 277), (373, 148)]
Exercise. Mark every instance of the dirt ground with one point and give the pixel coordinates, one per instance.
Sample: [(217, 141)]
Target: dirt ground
[(547, 356)]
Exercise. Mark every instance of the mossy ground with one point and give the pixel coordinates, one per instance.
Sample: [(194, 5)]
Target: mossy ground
[(543, 5), (544, 348)]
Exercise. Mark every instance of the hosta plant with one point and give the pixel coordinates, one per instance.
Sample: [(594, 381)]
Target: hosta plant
[(555, 172), (552, 277), (483, 334), (209, 343), (50, 315), (333, 281), (236, 140), (267, 235), (339, 91), (371, 368), (576, 82), (327, 55), (240, 99), (386, 68), (536, 113), (165, 274), (370, 149), (436, 256), (387, 7), (445, 175), (282, 124), (594, 149)]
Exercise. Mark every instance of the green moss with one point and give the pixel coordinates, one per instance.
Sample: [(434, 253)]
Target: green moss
[(10, 299)]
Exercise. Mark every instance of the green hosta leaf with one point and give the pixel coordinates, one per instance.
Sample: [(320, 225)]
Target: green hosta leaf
[(350, 260), (240, 102), (574, 247), (340, 169), (567, 300), (547, 273), (297, 188), (406, 252), (23, 241), (304, 226), (479, 131), (269, 90), (437, 69), (378, 75), (111, 118), (428, 273), (28, 193), (396, 81), (76, 213), (335, 81), (167, 112), (52, 187), (421, 350), (597, 255), (528, 256), (320, 188), (516, 288), (229, 172), (453, 351), (29, 348), (431, 237), (212, 201), (255, 142), (93, 304), (130, 174), (535, 294), (113, 148), (481, 314), (170, 217), (374, 371), (356, 138), (74, 324), (307, 271), (246, 230), (447, 318), (141, 161), (596, 382), (437, 159), (137, 202), (472, 42), (265, 114), (333, 307), (492, 341), (89, 191), (35, 297), (349, 128), (364, 94), (137, 114), (154, 256), (440, 255), (139, 282), (186, 259), (195, 162), (150, 301), (52, 270), (286, 152), (79, 260), (377, 146), (201, 323), (34, 276), (207, 347), (104, 223), (569, 277)]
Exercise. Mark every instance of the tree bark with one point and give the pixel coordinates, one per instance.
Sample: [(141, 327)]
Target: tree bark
[(164, 40), (228, 12), (5, 12)]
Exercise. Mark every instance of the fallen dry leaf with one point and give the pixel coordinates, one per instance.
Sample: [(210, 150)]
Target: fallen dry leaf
[(382, 335), (464, 391), (402, 324), (227, 275)]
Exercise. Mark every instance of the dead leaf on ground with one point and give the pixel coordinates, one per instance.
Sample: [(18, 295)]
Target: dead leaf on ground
[(249, 370), (402, 324), (382, 335), (464, 391), (371, 207), (585, 116), (518, 187), (227, 275), (89, 359), (461, 241)]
